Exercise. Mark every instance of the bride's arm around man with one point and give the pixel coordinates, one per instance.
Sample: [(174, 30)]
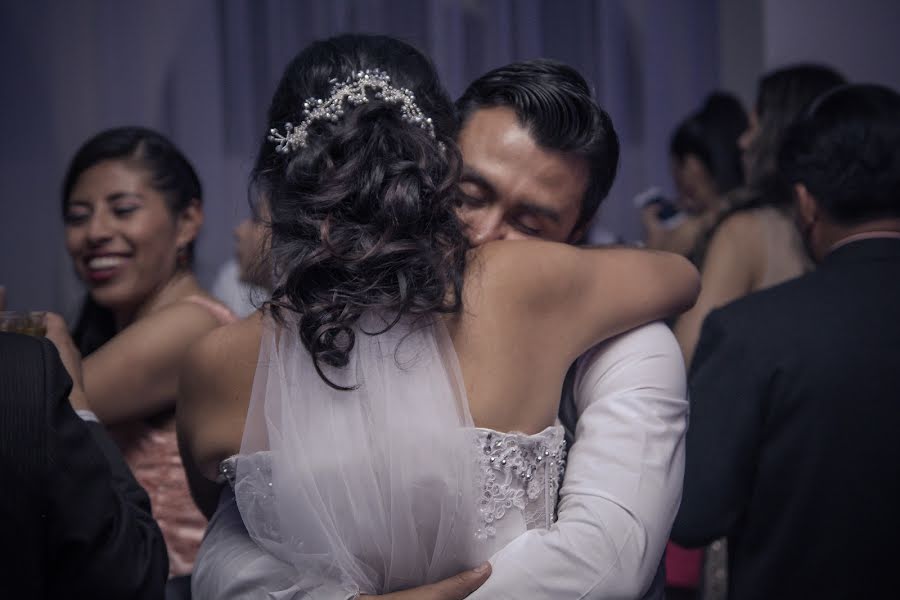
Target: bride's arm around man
[(625, 400)]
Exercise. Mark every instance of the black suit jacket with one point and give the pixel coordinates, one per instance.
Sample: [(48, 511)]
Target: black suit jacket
[(793, 449), (74, 522)]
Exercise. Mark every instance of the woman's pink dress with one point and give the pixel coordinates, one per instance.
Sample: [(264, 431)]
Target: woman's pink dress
[(151, 450)]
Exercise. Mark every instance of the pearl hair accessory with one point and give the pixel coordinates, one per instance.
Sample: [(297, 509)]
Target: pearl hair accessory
[(352, 90)]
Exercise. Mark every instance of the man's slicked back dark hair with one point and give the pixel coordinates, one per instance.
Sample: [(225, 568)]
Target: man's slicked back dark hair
[(554, 103)]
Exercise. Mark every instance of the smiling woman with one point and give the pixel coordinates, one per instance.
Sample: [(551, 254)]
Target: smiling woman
[(122, 237), (132, 206)]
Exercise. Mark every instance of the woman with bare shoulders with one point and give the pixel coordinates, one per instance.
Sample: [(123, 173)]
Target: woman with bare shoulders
[(706, 165), (755, 245), (132, 210), (360, 419)]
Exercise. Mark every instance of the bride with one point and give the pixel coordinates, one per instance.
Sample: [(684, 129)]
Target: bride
[(388, 419)]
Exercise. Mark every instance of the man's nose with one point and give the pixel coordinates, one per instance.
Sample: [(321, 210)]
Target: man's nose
[(488, 228)]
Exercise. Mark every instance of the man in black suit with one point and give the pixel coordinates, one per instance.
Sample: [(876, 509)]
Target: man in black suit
[(792, 448), (74, 522)]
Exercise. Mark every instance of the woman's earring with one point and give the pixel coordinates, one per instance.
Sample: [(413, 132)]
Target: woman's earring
[(181, 258)]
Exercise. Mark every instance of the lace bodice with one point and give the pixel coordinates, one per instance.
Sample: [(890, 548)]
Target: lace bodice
[(516, 473), (387, 484), (519, 472)]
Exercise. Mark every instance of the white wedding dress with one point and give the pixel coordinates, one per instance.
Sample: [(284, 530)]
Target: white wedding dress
[(380, 488)]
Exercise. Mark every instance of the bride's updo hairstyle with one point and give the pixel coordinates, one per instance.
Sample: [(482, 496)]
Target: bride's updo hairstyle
[(362, 212)]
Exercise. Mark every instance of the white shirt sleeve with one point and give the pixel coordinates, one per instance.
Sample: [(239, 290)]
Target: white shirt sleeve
[(240, 297), (87, 415), (623, 479)]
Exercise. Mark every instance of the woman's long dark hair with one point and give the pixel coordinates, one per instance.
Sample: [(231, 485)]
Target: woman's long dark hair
[(781, 98), (711, 134), (363, 217), (170, 174)]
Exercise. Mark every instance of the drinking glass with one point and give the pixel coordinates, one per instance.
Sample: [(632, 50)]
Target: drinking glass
[(28, 322)]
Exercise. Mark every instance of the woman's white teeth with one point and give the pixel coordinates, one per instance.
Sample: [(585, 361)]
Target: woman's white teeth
[(105, 262)]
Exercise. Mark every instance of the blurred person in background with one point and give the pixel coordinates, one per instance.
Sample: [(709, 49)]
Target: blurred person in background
[(132, 206), (755, 245), (792, 450), (706, 165), (245, 281)]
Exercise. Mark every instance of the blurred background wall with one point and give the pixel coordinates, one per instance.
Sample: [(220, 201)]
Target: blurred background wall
[(202, 72)]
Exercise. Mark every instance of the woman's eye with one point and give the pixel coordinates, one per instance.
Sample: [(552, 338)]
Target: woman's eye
[(124, 210), (76, 217)]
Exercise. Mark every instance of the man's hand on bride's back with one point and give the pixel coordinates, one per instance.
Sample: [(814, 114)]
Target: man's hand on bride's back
[(453, 588)]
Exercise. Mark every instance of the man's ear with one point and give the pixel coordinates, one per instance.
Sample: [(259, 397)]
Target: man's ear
[(806, 206)]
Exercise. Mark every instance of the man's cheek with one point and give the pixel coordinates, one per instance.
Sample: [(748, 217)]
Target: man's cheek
[(518, 235)]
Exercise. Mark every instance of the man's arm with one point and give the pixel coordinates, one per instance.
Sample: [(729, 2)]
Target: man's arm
[(453, 588), (722, 442), (623, 480), (104, 541)]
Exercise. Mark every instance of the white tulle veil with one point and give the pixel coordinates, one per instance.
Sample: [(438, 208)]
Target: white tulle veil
[(374, 488)]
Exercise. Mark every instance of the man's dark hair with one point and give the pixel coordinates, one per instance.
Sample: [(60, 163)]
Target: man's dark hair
[(845, 148), (554, 103)]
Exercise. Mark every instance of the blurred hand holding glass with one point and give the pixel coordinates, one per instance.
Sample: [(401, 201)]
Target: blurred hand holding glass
[(30, 323)]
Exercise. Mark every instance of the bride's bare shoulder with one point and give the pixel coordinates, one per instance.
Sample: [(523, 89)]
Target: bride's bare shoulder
[(215, 386), (519, 266), (503, 253), (227, 354)]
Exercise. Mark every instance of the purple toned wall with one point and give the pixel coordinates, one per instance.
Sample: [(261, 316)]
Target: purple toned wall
[(201, 72), (861, 38)]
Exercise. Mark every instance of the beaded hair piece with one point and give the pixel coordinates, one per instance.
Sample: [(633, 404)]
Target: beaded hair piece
[(352, 90)]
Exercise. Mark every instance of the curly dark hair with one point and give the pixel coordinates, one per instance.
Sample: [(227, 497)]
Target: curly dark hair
[(362, 217)]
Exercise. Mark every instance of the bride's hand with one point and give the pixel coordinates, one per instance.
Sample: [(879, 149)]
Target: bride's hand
[(453, 588)]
